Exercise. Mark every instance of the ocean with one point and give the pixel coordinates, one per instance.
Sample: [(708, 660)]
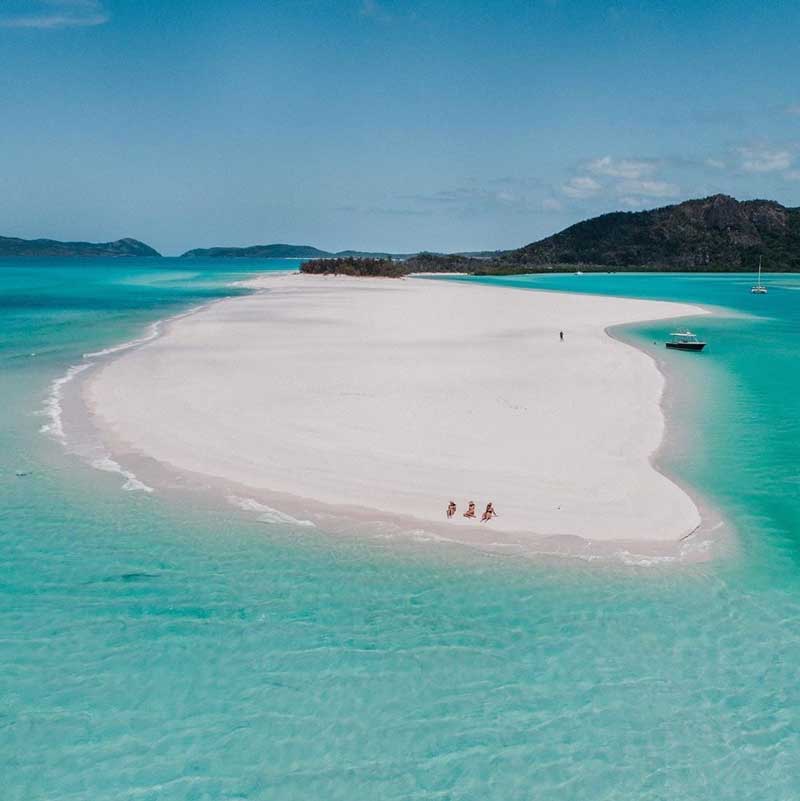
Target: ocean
[(157, 650)]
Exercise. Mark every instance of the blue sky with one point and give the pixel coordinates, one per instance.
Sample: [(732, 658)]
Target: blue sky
[(383, 124)]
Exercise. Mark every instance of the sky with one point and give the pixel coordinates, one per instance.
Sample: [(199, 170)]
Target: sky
[(394, 125)]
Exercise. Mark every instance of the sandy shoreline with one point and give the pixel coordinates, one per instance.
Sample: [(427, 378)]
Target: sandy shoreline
[(394, 396)]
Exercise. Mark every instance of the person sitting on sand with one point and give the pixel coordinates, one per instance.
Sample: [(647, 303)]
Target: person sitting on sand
[(489, 513), (470, 510), (451, 509)]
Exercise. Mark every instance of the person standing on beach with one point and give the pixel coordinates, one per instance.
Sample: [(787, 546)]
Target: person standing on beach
[(561, 335), (451, 509)]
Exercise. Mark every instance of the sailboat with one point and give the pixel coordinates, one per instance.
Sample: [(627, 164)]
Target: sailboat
[(759, 288)]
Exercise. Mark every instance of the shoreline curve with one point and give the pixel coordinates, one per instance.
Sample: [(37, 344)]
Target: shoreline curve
[(513, 528)]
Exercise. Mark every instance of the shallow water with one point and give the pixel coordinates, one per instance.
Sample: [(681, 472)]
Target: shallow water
[(154, 651)]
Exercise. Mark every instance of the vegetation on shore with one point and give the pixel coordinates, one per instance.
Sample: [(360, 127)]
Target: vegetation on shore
[(392, 268), (351, 265)]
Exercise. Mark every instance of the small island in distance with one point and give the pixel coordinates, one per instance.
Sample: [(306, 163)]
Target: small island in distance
[(280, 251), (23, 248), (713, 234)]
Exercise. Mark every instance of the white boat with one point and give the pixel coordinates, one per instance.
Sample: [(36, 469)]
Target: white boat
[(759, 288), (685, 340)]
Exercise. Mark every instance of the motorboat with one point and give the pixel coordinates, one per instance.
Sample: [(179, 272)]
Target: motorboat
[(685, 340)]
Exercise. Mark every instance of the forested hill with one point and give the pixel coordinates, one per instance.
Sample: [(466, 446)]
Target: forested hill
[(715, 233), (12, 246)]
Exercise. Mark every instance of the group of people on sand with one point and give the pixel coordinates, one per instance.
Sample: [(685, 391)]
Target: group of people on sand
[(471, 514)]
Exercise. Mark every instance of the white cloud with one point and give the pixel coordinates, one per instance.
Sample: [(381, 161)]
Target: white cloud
[(792, 175), (764, 159), (717, 164), (648, 189), (581, 186), (620, 168), (50, 14), (793, 109)]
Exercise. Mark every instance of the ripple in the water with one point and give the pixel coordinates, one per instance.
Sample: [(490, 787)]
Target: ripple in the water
[(150, 650)]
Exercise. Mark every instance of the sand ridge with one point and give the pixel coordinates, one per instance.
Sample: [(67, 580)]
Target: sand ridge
[(396, 395)]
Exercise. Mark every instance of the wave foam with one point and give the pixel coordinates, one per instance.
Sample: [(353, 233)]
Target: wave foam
[(52, 405), (53, 409), (153, 331), (266, 513), (132, 484)]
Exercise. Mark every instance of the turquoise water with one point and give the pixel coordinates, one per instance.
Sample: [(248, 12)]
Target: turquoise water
[(156, 651)]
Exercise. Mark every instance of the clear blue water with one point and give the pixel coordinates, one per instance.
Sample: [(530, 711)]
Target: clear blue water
[(156, 651)]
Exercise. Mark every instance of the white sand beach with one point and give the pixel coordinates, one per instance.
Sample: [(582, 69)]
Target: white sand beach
[(398, 395)]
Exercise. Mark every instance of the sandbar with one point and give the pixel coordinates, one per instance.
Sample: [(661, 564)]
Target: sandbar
[(395, 396)]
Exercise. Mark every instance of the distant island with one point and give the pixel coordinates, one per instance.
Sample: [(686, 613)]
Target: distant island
[(279, 251), (12, 246), (713, 234)]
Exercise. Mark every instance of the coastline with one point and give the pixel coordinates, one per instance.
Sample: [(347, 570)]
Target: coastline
[(340, 517), (713, 524), (680, 391)]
